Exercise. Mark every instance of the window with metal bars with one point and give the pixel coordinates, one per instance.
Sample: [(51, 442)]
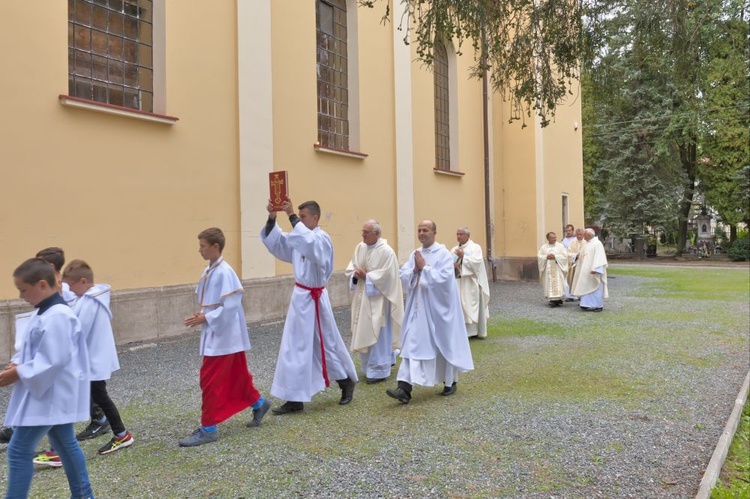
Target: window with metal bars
[(332, 66), (110, 52), (442, 110)]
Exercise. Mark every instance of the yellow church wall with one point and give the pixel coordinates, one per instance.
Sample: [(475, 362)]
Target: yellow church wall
[(349, 190), (450, 200), (127, 195), (534, 167), (515, 184), (130, 196), (564, 167)]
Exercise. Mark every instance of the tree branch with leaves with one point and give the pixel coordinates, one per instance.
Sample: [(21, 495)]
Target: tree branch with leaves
[(530, 48)]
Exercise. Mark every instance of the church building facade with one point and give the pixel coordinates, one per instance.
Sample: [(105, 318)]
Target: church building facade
[(128, 126)]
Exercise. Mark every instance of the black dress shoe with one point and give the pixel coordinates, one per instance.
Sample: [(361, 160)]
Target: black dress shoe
[(596, 309), (372, 381), (585, 309), (449, 390), (347, 390), (289, 408), (399, 394)]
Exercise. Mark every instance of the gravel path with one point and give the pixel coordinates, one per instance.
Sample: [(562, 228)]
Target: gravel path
[(475, 444)]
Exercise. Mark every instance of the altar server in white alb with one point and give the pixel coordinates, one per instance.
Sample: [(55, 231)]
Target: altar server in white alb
[(377, 303), (55, 257), (92, 309), (226, 383), (472, 283), (51, 377), (312, 352), (434, 345), (552, 260), (590, 281)]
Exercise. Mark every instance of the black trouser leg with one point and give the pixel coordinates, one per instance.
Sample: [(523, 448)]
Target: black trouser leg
[(101, 398)]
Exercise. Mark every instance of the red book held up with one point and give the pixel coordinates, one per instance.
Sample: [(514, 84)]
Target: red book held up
[(278, 183)]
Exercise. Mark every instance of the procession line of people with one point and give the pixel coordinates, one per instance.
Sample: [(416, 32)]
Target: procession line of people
[(423, 311)]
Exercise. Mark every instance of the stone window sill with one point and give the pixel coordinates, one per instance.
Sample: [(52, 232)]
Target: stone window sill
[(340, 152), (77, 102), (450, 173)]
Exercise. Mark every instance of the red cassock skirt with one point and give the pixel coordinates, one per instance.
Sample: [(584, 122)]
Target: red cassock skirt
[(227, 387)]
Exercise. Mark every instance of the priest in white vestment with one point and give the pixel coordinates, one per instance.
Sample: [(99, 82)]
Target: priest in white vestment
[(377, 303), (552, 260), (590, 281), (434, 345), (312, 351), (473, 285), (574, 252)]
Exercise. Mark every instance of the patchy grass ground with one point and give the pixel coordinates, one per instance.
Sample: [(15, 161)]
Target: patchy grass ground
[(561, 403)]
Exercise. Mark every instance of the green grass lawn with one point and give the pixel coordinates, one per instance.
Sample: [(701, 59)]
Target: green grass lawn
[(725, 285)]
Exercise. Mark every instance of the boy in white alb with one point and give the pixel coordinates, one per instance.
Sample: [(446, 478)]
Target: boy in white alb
[(92, 309), (226, 382), (51, 389), (55, 257)]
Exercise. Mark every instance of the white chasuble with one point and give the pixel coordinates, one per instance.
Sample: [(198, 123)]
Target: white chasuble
[(433, 318), (552, 271), (474, 289)]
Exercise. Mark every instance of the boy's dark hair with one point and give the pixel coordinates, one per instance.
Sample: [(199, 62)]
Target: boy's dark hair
[(311, 206), (213, 235), (34, 270), (77, 270), (53, 255)]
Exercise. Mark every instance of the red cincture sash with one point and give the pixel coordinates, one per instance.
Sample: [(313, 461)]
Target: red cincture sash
[(316, 293)]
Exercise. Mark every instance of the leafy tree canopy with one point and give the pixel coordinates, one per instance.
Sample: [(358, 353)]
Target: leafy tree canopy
[(531, 48)]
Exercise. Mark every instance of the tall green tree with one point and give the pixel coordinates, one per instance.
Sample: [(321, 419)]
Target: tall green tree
[(629, 84), (591, 110), (650, 79), (725, 165)]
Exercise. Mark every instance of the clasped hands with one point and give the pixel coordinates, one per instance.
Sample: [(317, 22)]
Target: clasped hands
[(419, 262)]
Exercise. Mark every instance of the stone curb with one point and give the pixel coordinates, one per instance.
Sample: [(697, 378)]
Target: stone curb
[(720, 453)]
